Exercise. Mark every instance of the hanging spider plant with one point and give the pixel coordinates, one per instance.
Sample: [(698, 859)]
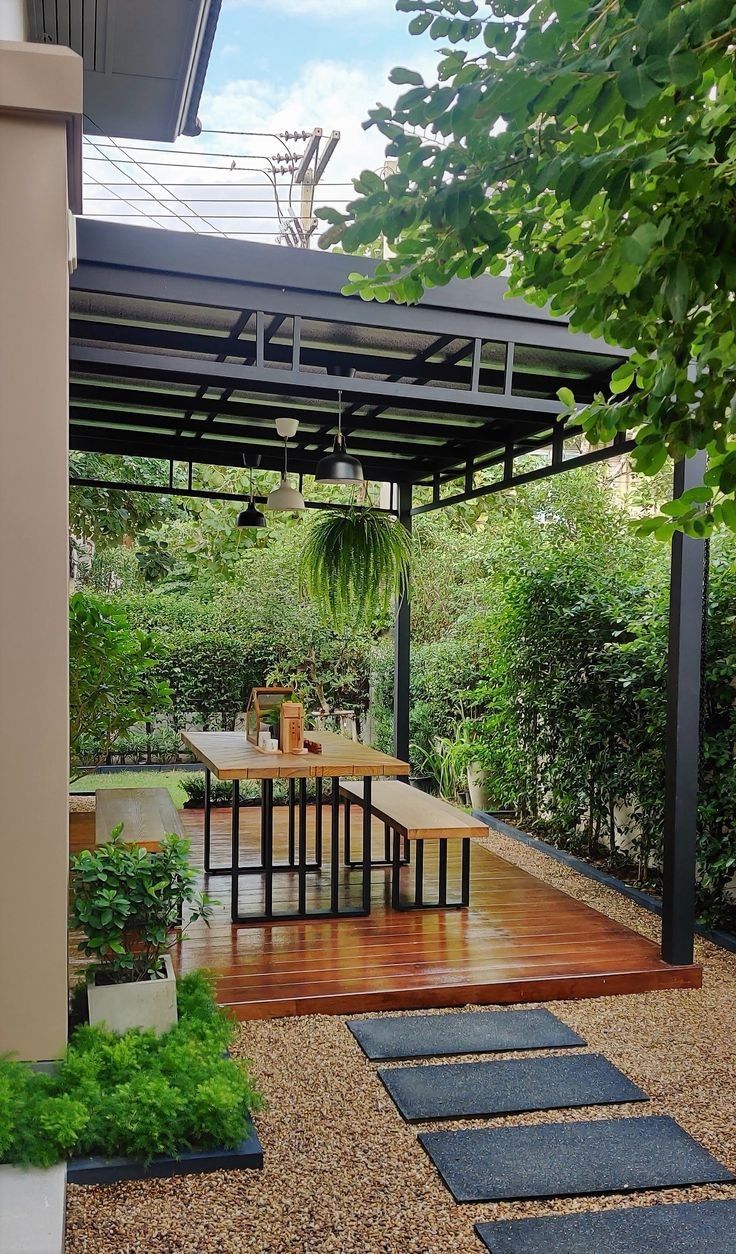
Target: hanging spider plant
[(354, 563)]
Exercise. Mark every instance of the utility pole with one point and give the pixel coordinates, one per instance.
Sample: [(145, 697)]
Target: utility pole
[(299, 228)]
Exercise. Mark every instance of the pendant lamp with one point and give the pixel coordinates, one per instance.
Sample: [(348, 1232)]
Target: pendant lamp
[(250, 516), (338, 466), (284, 497)]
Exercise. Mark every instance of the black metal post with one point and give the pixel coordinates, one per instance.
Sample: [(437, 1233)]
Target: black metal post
[(402, 646), (687, 583)]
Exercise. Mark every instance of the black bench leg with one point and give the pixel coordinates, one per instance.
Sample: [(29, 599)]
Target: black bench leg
[(207, 818), (465, 872), (348, 843), (395, 873), (442, 891), (419, 875)]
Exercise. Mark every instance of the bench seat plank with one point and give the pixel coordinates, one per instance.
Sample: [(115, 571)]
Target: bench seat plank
[(415, 814), (147, 815)]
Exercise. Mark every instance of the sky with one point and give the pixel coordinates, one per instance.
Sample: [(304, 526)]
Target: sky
[(279, 65)]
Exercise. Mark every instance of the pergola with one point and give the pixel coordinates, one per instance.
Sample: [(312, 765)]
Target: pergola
[(187, 348)]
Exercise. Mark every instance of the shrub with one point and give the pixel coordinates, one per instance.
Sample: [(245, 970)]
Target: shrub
[(135, 1094), (127, 902)]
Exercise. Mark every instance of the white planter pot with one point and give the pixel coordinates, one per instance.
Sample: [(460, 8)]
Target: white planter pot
[(478, 787), (149, 1004)]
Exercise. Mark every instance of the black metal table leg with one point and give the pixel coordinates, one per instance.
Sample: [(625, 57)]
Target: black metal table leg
[(302, 907), (267, 830), (367, 825), (335, 848), (207, 817), (386, 842), (292, 813), (235, 852), (318, 822)]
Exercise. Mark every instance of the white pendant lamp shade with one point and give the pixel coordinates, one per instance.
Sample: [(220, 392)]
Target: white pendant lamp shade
[(285, 497)]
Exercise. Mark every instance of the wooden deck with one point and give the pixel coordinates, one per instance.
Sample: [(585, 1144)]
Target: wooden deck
[(521, 940)]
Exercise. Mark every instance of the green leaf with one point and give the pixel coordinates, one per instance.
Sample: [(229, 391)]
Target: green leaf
[(566, 396), (637, 87), (401, 75)]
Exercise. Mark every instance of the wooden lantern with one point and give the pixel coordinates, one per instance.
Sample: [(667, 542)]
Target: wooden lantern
[(291, 738), (262, 712)]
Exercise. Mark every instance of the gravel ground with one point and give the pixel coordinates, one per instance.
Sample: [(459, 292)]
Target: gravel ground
[(345, 1175)]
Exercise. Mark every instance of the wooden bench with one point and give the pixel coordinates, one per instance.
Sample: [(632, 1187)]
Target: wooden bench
[(147, 815), (413, 817)]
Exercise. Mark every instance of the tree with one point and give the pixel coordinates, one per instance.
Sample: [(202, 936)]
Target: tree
[(588, 150), (107, 516), (111, 687)]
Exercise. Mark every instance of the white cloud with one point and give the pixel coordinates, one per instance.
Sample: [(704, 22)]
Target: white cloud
[(330, 94), (322, 10)]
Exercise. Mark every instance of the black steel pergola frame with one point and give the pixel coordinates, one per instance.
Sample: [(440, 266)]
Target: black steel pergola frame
[(450, 423)]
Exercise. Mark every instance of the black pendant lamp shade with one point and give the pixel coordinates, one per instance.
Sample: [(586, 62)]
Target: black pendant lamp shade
[(250, 516), (338, 466)]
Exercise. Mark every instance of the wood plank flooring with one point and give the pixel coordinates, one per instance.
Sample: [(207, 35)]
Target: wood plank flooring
[(521, 940)]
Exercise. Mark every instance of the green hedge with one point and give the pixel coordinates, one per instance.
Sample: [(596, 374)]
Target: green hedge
[(442, 674)]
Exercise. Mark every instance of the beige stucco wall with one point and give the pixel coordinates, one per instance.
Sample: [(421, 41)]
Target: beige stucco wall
[(34, 304)]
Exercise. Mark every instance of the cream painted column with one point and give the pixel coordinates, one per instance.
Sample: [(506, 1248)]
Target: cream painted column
[(40, 160)]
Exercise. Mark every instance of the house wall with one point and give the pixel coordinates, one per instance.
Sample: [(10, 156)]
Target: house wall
[(40, 96)]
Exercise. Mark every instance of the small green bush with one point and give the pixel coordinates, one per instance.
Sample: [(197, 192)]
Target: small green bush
[(129, 904), (135, 1094)]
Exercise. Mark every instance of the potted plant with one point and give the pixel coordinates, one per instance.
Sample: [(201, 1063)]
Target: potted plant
[(355, 562), (129, 904)]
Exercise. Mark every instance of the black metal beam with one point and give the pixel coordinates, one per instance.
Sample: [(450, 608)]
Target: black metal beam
[(210, 452), (161, 367), (402, 645), (263, 436), (682, 738), (100, 394), (619, 446), (199, 494)]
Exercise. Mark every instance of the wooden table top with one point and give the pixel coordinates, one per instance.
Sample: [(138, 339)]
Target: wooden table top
[(230, 756)]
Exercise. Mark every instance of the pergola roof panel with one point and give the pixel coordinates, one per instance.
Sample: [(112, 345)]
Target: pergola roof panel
[(188, 348)]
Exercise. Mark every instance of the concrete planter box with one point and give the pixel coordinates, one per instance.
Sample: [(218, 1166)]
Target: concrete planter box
[(248, 1155), (147, 1004)]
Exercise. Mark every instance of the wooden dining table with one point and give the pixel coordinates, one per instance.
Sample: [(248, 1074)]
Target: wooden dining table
[(230, 756)]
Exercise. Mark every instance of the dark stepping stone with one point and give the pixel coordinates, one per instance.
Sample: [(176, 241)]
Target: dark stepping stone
[(570, 1159), (682, 1228), (476, 1032), (468, 1090)]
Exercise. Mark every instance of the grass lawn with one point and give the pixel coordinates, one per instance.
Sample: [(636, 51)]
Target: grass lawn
[(135, 779)]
